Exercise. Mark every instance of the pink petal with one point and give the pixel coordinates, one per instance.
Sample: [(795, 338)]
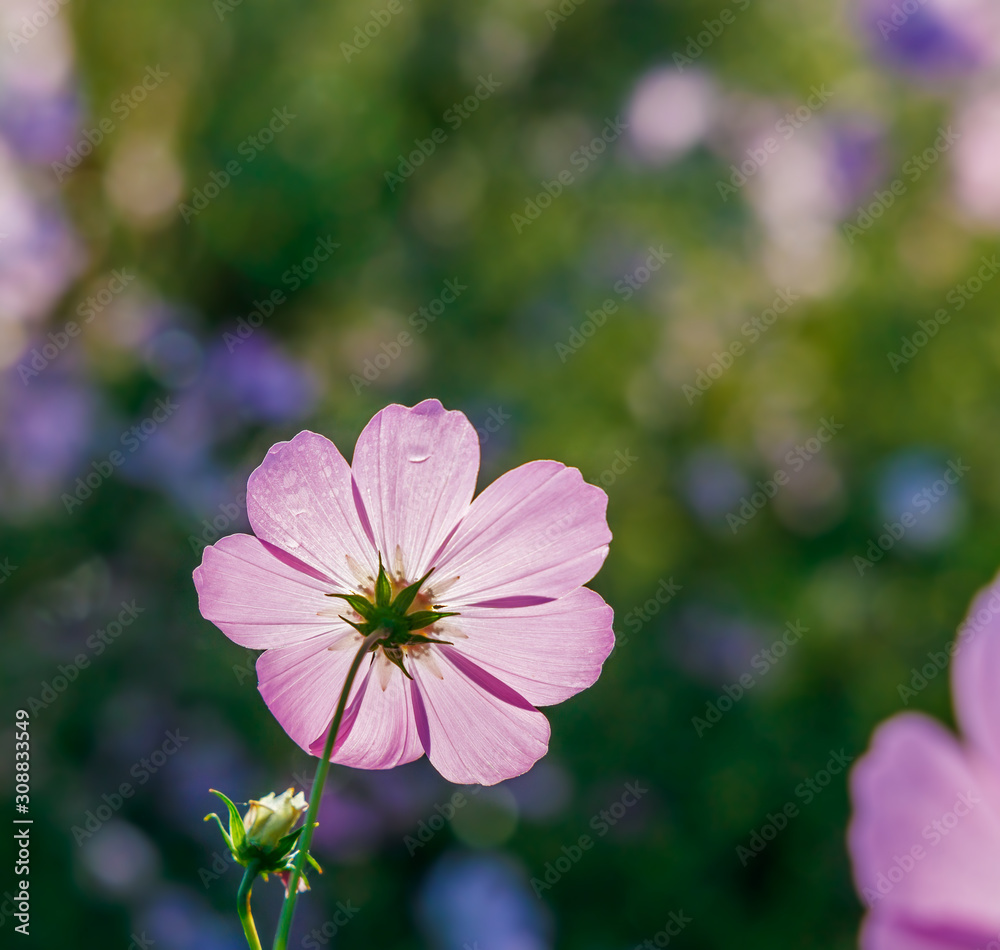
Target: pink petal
[(886, 931), (415, 471), (475, 729), (537, 530), (301, 684), (301, 500), (379, 730), (975, 673), (915, 774), (547, 652), (260, 599)]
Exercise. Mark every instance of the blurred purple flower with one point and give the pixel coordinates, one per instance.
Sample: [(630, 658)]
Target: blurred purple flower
[(257, 382), (39, 256), (913, 483), (712, 484), (543, 792), (178, 920), (481, 900), (931, 39), (39, 111), (857, 158), (669, 113), (974, 159), (45, 430), (715, 647), (351, 827), (39, 127)]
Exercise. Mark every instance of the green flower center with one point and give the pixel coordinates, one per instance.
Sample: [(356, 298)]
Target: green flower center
[(394, 616)]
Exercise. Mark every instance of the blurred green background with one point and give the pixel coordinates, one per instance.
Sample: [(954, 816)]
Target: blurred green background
[(683, 243)]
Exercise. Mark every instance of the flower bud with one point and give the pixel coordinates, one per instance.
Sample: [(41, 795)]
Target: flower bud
[(264, 837), (268, 821)]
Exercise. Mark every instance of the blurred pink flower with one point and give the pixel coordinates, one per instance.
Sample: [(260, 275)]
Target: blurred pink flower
[(977, 184), (925, 836), (510, 565)]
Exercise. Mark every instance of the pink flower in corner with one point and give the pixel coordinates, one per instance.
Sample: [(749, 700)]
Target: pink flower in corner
[(925, 836), (501, 621)]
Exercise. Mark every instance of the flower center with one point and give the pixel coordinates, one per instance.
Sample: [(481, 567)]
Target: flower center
[(397, 617)]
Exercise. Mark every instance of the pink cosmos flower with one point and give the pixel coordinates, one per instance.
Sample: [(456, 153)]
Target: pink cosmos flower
[(925, 836), (481, 600)]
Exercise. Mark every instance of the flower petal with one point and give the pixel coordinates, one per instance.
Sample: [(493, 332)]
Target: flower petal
[(546, 652), (379, 730), (259, 598), (925, 837), (301, 684), (475, 729), (300, 499), (540, 529), (887, 931), (415, 471), (976, 671)]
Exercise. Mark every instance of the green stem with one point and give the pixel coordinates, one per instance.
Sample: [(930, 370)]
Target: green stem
[(243, 906), (288, 908)]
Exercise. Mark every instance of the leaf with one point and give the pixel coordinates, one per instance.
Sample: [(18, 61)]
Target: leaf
[(361, 605), (225, 834), (407, 595), (424, 618), (237, 833), (383, 589)]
